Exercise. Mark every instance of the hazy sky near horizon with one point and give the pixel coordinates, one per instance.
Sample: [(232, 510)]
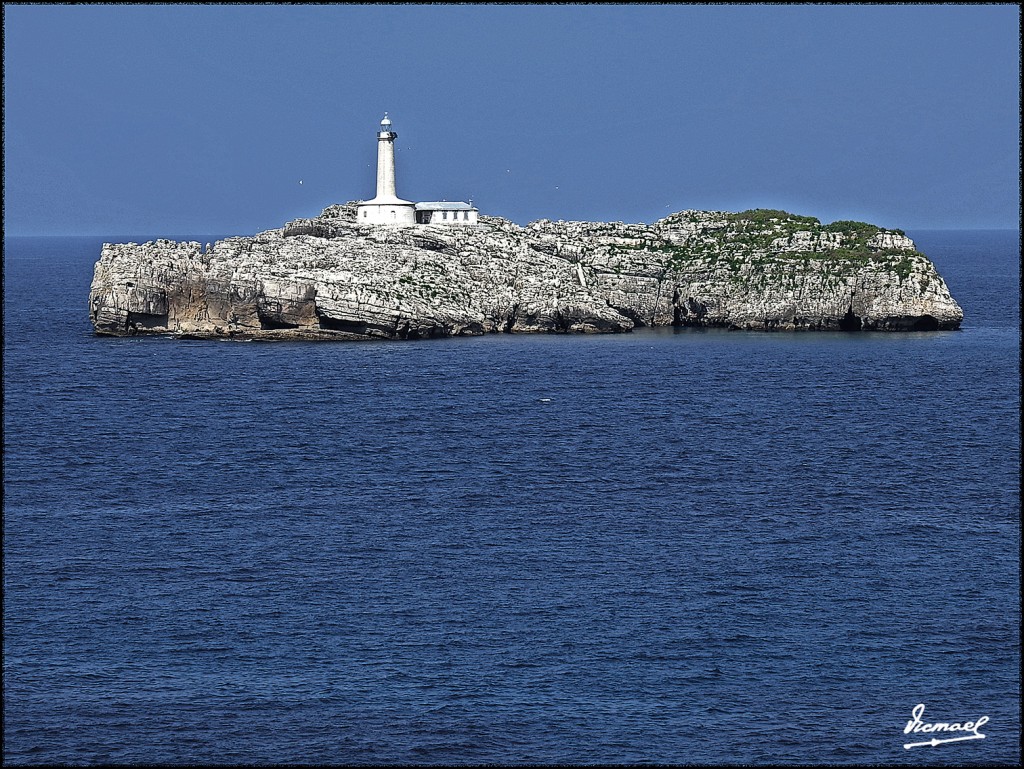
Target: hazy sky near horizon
[(182, 119)]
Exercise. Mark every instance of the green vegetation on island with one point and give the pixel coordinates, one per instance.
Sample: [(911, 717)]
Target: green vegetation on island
[(753, 240)]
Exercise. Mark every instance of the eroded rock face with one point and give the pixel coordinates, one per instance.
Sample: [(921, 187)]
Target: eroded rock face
[(329, 277)]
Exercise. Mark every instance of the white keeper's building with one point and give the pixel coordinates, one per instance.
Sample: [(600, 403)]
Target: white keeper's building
[(445, 212), (388, 208)]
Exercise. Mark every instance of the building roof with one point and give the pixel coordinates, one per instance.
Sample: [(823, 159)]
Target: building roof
[(444, 205)]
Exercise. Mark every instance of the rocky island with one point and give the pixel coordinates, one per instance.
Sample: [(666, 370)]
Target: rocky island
[(330, 277)]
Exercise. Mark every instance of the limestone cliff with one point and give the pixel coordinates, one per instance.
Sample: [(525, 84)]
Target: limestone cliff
[(329, 277)]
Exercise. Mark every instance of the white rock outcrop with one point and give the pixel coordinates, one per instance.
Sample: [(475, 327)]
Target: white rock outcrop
[(329, 277)]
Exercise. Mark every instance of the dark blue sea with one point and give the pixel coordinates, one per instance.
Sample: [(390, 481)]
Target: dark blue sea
[(659, 547)]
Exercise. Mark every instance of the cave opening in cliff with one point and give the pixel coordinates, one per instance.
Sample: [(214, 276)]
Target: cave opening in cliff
[(850, 322), (335, 324), (635, 315), (271, 323), (926, 323), (136, 322)]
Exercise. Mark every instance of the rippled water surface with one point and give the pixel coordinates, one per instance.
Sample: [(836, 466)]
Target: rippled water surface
[(663, 546)]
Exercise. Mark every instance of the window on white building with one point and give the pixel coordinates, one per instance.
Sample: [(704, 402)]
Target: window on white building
[(444, 214)]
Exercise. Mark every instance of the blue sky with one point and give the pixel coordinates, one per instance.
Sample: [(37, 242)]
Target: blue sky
[(190, 118)]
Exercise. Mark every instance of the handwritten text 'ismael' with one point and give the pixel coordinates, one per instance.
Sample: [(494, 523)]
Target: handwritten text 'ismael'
[(916, 725)]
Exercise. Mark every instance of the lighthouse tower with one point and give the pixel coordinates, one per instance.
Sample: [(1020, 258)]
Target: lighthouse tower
[(386, 207)]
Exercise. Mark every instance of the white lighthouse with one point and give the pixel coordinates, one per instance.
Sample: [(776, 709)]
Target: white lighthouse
[(386, 207)]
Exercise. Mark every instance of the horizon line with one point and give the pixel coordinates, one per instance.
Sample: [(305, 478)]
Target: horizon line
[(128, 234)]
